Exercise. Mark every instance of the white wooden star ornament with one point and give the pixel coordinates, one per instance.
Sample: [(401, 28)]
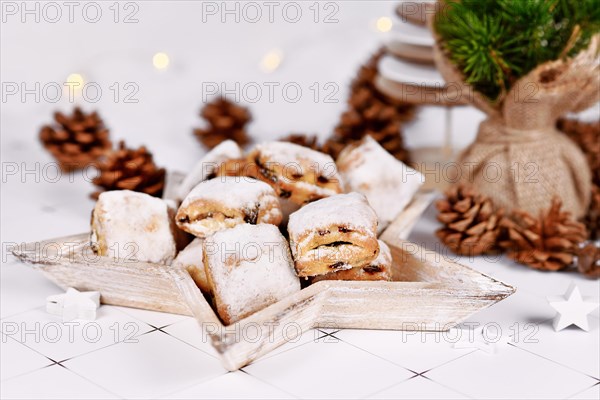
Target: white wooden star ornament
[(74, 305), (571, 309)]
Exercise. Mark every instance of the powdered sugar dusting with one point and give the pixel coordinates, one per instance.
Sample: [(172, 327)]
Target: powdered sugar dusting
[(250, 267), (134, 226), (309, 187), (230, 191), (191, 255), (284, 152), (294, 157), (388, 184), (350, 210), (226, 150)]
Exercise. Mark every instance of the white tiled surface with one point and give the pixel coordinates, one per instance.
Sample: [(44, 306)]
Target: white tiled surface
[(416, 351), (46, 334), (360, 372), (18, 359), (512, 373), (418, 387), (592, 393), (53, 382), (154, 366), (234, 385), (165, 355)]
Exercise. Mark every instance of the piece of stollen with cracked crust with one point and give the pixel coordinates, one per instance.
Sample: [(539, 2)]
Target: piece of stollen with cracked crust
[(380, 269), (295, 172), (388, 184), (206, 167), (225, 202), (331, 234), (132, 226), (248, 267), (190, 259)]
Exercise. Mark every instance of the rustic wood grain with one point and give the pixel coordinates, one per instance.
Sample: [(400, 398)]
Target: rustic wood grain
[(429, 292), (69, 262), (447, 294)]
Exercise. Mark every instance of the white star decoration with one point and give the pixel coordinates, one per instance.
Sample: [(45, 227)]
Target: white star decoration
[(571, 309), (74, 305)]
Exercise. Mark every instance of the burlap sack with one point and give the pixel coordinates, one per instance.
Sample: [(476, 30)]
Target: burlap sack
[(519, 159)]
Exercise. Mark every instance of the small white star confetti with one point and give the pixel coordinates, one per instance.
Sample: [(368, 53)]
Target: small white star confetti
[(571, 309), (74, 305)]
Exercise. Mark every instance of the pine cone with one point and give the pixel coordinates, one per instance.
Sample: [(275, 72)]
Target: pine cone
[(76, 140), (592, 218), (226, 120), (310, 141), (129, 169), (588, 259), (371, 113), (546, 243), (335, 144), (587, 136), (472, 226)]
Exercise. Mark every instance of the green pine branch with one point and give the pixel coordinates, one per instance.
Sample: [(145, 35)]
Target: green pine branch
[(495, 42)]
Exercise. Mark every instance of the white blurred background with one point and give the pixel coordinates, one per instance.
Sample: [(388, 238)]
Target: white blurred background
[(45, 44), (200, 53)]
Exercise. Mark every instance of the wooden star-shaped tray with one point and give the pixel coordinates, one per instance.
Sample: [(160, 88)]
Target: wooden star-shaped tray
[(428, 293)]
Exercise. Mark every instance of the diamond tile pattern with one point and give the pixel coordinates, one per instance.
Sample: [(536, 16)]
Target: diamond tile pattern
[(18, 359), (129, 353), (59, 341), (154, 366), (53, 382), (511, 373), (592, 393), (415, 351), (303, 372)]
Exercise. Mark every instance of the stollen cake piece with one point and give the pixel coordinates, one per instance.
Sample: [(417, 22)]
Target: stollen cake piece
[(133, 226), (244, 167), (296, 172), (190, 259), (207, 166), (248, 267), (380, 269), (237, 167), (225, 202), (331, 234), (388, 184)]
